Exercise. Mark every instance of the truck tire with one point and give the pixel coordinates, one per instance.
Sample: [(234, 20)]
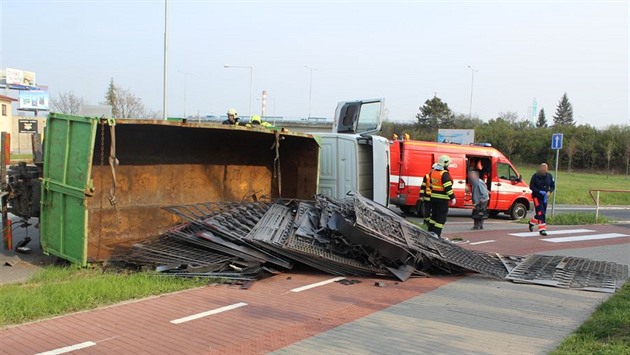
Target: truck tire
[(419, 209), (518, 211), (405, 209)]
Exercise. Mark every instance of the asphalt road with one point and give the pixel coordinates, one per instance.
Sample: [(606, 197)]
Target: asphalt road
[(617, 213)]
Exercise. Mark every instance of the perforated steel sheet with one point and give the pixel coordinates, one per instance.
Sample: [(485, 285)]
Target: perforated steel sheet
[(570, 272)]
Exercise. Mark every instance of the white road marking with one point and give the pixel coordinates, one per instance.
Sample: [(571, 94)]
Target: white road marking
[(585, 237), (209, 313), (68, 349), (317, 284), (483, 242), (552, 232)]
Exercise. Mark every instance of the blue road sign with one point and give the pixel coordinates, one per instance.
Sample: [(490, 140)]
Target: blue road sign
[(556, 141)]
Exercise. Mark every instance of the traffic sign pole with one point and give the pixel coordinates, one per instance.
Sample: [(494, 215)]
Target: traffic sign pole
[(556, 144), (553, 204)]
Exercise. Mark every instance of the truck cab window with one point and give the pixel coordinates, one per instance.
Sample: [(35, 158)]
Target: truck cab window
[(369, 117), (506, 172)]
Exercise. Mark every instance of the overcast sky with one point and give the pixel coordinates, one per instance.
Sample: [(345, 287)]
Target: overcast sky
[(402, 51)]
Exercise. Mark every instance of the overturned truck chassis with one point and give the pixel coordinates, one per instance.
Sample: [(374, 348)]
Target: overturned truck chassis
[(348, 237)]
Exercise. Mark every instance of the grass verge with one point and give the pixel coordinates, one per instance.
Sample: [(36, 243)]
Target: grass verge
[(572, 219), (21, 156), (572, 187), (607, 331), (58, 290)]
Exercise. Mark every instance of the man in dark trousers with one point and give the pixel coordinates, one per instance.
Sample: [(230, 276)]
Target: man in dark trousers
[(480, 199), (441, 195), (542, 185)]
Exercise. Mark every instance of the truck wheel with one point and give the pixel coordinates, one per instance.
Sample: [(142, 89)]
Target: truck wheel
[(493, 213), (518, 211), (405, 209), (419, 209)]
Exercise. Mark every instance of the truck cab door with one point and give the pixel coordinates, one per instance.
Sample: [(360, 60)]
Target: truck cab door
[(359, 117)]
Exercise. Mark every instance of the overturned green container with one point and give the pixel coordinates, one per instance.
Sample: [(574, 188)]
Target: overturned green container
[(161, 163)]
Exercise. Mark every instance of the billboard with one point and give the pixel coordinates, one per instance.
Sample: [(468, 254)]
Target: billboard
[(456, 136), (36, 100), (96, 111), (17, 78), (27, 125)]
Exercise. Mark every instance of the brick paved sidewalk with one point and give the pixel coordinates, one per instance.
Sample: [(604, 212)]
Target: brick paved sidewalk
[(438, 315)]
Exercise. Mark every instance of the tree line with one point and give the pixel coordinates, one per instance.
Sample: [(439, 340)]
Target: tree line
[(124, 103), (522, 141)]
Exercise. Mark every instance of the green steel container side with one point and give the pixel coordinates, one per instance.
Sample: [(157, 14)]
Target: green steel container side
[(69, 146)]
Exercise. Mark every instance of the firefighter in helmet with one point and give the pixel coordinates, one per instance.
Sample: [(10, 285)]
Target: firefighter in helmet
[(257, 121), (232, 117), (425, 196), (442, 194)]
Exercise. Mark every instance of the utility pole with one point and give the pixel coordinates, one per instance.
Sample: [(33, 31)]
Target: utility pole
[(251, 76), (310, 89), (472, 86)]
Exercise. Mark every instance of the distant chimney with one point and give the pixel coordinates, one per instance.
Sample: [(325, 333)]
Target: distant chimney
[(263, 112)]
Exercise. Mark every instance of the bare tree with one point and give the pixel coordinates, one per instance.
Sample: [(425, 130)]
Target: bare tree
[(610, 149), (572, 149), (67, 102), (509, 116), (124, 103)]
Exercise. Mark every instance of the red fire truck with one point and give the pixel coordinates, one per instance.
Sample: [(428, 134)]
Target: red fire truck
[(411, 160)]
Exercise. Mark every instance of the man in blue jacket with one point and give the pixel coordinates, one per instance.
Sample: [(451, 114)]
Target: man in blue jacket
[(542, 185)]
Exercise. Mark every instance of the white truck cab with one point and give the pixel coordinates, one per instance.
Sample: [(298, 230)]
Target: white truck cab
[(351, 158)]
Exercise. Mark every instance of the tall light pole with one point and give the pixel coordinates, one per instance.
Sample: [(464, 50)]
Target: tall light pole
[(310, 89), (472, 83), (165, 93), (251, 76), (185, 88)]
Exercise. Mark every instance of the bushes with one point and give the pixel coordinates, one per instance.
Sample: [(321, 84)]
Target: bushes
[(585, 146)]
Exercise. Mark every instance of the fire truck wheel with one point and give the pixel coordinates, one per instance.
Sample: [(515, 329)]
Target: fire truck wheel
[(405, 209), (518, 211)]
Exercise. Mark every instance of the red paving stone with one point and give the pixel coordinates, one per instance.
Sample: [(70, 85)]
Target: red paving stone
[(273, 318)]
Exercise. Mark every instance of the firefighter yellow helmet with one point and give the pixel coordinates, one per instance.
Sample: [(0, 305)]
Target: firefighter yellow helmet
[(232, 112), (256, 119), (444, 160)]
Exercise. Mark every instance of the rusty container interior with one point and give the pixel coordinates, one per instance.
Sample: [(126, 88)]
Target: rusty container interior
[(164, 163)]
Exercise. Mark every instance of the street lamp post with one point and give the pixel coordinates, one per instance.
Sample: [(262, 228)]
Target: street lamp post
[(251, 76), (310, 89), (185, 88), (472, 83), (165, 86)]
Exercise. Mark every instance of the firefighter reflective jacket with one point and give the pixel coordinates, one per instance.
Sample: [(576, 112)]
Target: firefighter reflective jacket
[(425, 188), (441, 185)]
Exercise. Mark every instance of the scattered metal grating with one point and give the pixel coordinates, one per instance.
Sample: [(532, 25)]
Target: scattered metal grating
[(355, 236), (570, 272), (165, 250)]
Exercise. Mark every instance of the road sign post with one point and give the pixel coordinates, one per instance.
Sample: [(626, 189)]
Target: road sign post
[(556, 144)]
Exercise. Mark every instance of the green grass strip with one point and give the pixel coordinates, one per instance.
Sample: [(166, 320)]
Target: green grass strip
[(607, 331), (58, 290)]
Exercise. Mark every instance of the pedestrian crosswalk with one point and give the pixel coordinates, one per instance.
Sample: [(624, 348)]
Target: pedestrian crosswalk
[(585, 237), (571, 235), (552, 232)]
